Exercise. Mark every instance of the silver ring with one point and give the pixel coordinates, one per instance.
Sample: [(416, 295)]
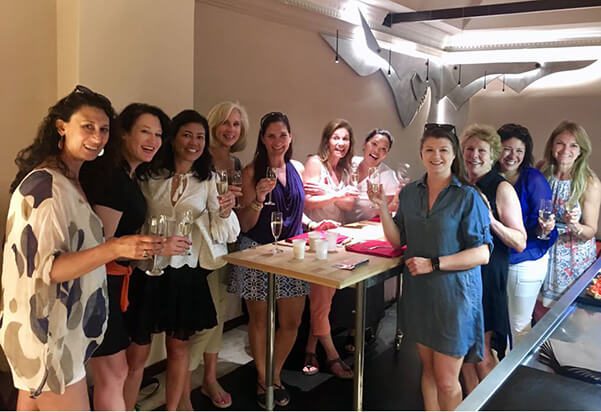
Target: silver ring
[(145, 254)]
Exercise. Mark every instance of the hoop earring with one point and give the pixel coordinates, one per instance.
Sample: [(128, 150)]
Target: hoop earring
[(61, 142), (101, 152)]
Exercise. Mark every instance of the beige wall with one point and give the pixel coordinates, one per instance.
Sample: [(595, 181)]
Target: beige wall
[(28, 81), (139, 50), (270, 66)]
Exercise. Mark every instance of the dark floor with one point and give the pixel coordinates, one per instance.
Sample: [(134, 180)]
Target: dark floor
[(391, 381)]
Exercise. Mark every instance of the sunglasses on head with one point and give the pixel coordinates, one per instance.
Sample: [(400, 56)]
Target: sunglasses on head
[(273, 116), (444, 126)]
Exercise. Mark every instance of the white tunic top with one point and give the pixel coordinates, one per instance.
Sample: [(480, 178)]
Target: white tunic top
[(50, 329)]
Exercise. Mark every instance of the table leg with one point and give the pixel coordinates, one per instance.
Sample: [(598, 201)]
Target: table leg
[(270, 341), (398, 338), (359, 346)]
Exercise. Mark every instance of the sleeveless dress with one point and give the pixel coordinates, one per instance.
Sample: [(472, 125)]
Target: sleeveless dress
[(251, 284), (494, 274), (116, 190), (569, 257)]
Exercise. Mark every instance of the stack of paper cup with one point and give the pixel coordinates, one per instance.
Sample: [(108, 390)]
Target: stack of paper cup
[(298, 248), (332, 239), (313, 236), (321, 249)]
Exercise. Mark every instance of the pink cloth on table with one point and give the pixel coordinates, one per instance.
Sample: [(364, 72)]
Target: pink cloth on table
[(380, 248), (341, 238), (375, 219)]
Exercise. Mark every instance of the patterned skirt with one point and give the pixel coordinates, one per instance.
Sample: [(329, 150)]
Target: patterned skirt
[(251, 284)]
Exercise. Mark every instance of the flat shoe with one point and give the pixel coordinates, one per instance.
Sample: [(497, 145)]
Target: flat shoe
[(311, 366), (215, 400)]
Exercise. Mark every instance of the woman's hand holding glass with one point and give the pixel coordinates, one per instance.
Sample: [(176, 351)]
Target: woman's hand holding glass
[(136, 247), (546, 218), (263, 187), (227, 202)]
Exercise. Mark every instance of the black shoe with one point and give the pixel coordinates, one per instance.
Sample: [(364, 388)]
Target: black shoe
[(261, 397), (281, 396)]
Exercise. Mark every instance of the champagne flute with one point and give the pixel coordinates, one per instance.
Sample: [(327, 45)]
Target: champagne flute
[(184, 226), (373, 186), (277, 221), (221, 182), (402, 172), (270, 174), (236, 180), (545, 212), (354, 175), (157, 227)]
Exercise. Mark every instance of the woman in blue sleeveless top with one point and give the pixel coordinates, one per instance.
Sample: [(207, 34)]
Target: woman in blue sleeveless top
[(274, 149)]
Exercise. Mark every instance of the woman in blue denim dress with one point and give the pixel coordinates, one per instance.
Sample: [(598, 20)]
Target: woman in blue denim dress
[(444, 223)]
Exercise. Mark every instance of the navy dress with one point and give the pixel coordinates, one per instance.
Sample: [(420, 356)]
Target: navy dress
[(443, 310), (494, 274)]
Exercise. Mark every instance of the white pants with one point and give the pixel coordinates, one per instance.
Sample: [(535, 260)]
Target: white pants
[(523, 284)]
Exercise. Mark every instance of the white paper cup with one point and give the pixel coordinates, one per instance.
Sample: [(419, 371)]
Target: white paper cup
[(332, 238), (313, 236), (321, 249), (298, 248)]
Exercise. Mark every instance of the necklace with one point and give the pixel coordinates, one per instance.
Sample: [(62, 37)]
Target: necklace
[(182, 180)]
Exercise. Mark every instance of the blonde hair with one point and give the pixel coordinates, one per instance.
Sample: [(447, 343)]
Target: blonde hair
[(219, 114), (581, 171), (487, 134)]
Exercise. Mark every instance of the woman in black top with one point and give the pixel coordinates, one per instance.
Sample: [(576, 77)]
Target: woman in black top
[(110, 183)]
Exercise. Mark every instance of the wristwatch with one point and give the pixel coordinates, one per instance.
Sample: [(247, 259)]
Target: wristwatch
[(435, 263)]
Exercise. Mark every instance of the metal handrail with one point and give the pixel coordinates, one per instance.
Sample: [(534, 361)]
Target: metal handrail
[(529, 344)]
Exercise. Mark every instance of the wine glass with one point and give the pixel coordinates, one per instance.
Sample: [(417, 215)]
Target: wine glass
[(270, 174), (236, 180), (402, 173), (157, 227), (545, 212), (184, 227), (277, 221), (354, 175), (373, 183), (221, 182)]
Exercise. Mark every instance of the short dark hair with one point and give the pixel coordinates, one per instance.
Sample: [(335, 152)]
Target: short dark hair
[(382, 132), (510, 130)]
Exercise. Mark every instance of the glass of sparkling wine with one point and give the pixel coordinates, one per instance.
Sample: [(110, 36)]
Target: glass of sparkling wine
[(221, 182), (373, 187), (545, 212), (354, 175), (277, 221), (270, 174), (402, 172), (157, 227), (235, 179), (184, 227)]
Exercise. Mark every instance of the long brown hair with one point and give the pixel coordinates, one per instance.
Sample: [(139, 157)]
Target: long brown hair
[(344, 165), (581, 171)]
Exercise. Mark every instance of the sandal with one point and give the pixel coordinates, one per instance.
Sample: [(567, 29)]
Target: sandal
[(311, 366), (218, 396), (261, 397), (281, 396), (340, 369)]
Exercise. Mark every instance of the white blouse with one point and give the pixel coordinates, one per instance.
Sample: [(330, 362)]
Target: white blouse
[(363, 209), (210, 233)]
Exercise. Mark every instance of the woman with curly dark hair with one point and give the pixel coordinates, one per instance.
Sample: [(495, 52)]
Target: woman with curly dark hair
[(54, 277)]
